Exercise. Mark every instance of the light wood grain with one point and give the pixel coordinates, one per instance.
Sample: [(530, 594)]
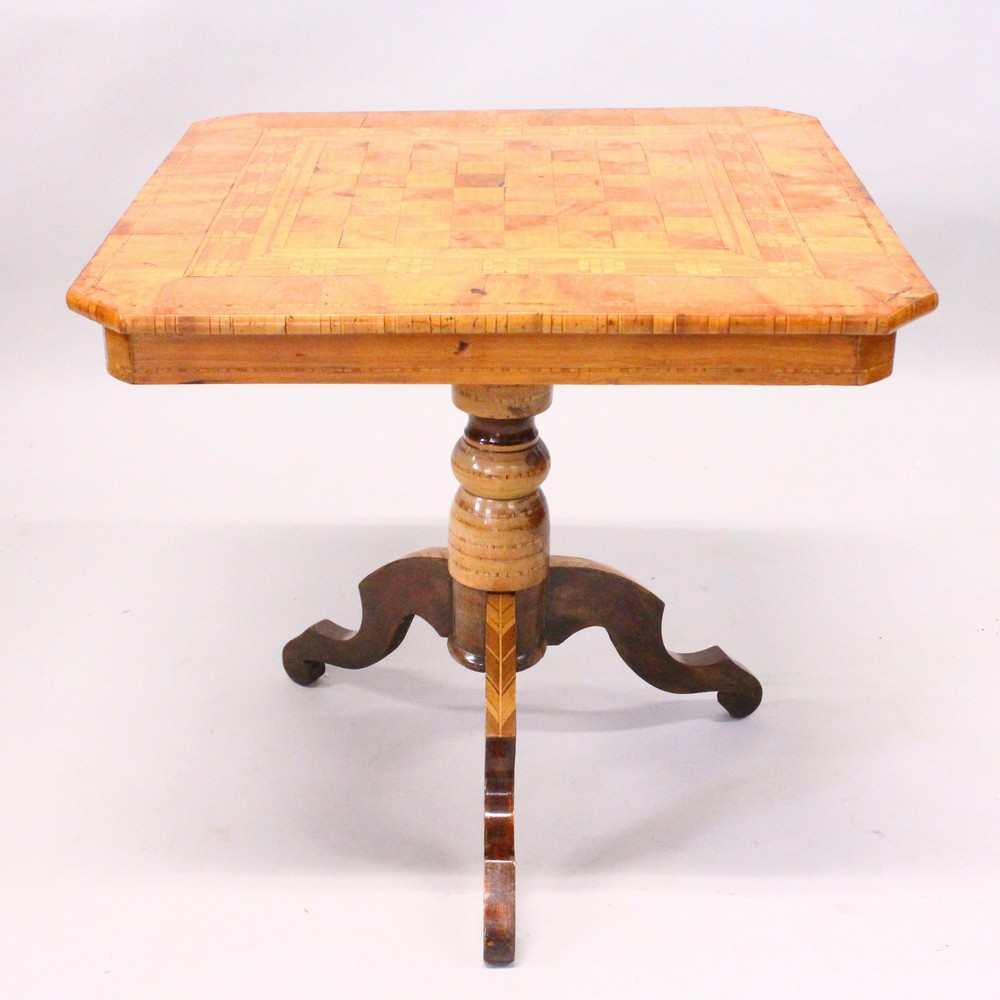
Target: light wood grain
[(498, 533), (498, 545), (717, 245), (585, 359), (500, 473), (502, 402), (501, 665)]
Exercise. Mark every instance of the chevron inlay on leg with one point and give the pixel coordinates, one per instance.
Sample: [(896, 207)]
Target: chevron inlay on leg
[(501, 722)]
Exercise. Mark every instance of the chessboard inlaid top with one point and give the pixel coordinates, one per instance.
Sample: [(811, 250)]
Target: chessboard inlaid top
[(666, 221)]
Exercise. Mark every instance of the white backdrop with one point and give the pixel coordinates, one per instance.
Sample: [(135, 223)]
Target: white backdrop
[(182, 821)]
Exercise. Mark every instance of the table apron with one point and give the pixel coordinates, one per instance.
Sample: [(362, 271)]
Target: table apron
[(583, 359)]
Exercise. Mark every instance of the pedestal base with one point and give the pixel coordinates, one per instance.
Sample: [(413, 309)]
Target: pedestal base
[(576, 594)]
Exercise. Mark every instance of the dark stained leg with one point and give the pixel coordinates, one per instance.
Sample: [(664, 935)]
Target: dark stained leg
[(501, 731), (390, 597), (498, 862), (581, 593)]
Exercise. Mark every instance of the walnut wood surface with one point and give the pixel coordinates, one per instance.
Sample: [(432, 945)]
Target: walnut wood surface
[(576, 594), (390, 597), (501, 733), (716, 245), (580, 594), (467, 643)]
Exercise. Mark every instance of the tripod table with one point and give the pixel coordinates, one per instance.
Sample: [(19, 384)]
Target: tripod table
[(504, 252)]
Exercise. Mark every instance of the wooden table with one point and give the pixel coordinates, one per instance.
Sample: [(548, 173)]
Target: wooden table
[(503, 252)]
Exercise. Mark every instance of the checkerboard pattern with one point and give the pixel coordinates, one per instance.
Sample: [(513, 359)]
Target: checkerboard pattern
[(727, 221), (582, 200)]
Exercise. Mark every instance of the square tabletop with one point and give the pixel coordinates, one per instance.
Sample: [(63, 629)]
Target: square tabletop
[(730, 245)]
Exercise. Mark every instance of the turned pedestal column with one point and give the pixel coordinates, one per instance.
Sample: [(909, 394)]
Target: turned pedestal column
[(498, 558), (501, 599)]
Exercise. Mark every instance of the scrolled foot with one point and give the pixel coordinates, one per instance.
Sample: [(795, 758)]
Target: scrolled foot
[(305, 657), (740, 705), (580, 594), (742, 692), (390, 597), (304, 672)]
